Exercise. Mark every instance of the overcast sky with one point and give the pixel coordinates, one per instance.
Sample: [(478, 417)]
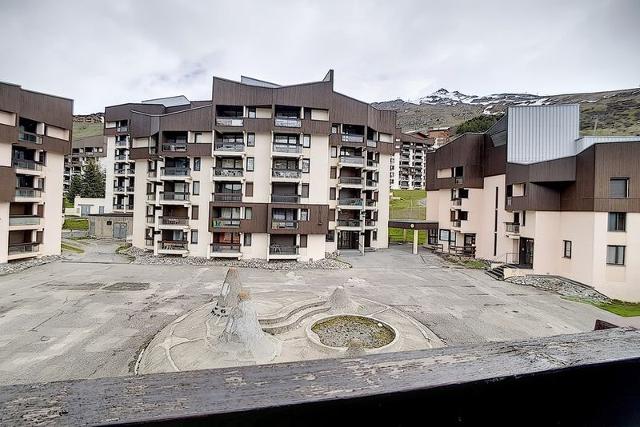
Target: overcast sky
[(109, 52)]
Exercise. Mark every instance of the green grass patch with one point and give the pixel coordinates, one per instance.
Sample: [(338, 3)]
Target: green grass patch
[(76, 224), (395, 235), (405, 204), (83, 130), (466, 262), (621, 308), (67, 247), (67, 203)]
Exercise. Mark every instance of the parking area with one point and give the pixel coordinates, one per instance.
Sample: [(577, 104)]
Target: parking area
[(83, 318)]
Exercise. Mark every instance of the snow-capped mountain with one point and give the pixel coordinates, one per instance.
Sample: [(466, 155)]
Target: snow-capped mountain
[(444, 97)]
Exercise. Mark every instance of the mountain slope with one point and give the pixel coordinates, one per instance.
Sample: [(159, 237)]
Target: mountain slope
[(617, 112)]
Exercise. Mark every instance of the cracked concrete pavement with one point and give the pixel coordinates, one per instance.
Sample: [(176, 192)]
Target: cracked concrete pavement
[(73, 319)]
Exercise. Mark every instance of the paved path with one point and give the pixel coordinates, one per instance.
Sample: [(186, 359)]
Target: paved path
[(77, 320)]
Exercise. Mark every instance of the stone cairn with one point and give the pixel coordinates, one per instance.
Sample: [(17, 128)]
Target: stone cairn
[(340, 302), (230, 293)]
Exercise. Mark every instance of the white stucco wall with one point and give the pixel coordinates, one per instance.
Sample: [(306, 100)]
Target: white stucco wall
[(52, 196)]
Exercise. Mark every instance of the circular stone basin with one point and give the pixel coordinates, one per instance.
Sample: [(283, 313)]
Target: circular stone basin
[(338, 331)]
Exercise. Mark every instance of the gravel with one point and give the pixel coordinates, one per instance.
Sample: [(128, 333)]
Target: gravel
[(16, 266), (560, 286), (341, 330), (147, 258)]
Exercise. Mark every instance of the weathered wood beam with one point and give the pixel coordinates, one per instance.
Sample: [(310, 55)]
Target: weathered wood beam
[(291, 391)]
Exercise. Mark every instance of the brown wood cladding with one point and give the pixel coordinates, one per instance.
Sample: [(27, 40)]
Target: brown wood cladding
[(193, 150), (258, 223), (557, 170), (140, 153), (318, 219), (8, 179), (8, 134), (195, 120)]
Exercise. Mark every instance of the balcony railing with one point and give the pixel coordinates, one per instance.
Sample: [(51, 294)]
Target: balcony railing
[(22, 248), (24, 220), (225, 222), (176, 171), (172, 220), (350, 180), (371, 203), (352, 160), (28, 192), (151, 196), (372, 164), (229, 121), (228, 146), (228, 172), (457, 179), (372, 143), (350, 202), (348, 223), (288, 122), (371, 183), (457, 202), (286, 148), (122, 143), (286, 173), (225, 247), (512, 227), (29, 137), (152, 174), (150, 219), (170, 195), (370, 223), (174, 146), (122, 129), (278, 224), (121, 157), (227, 197), (277, 198), (283, 250), (352, 138), (174, 245), (456, 223), (27, 164)]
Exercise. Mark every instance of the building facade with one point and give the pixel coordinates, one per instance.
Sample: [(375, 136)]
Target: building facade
[(35, 135), (408, 166), (89, 149), (532, 193), (259, 171)]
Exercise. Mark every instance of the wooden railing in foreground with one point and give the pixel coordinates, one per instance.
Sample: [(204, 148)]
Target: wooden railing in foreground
[(588, 378)]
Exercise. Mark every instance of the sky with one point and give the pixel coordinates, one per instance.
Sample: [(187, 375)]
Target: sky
[(111, 52)]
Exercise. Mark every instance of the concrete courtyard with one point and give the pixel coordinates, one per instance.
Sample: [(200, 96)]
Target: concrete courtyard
[(90, 315)]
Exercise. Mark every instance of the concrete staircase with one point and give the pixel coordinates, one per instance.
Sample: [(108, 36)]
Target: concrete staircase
[(498, 272), (282, 322)]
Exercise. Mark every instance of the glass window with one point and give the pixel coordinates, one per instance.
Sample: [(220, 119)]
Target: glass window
[(617, 221), (195, 212), (250, 161), (567, 248), (196, 188), (251, 111), (304, 214), (303, 240), (306, 164), (619, 187), (248, 213), (247, 239), (444, 235), (306, 141), (331, 236), (194, 236), (615, 255), (196, 163), (305, 190), (251, 139), (334, 151), (332, 193)]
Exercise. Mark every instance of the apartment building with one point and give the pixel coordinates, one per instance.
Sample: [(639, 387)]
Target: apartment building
[(35, 134), (533, 194), (259, 171), (440, 135), (84, 150), (407, 167)]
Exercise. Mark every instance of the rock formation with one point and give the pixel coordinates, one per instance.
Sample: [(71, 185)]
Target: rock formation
[(229, 295), (340, 302)]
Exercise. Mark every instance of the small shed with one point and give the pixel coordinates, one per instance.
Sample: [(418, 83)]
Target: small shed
[(111, 226)]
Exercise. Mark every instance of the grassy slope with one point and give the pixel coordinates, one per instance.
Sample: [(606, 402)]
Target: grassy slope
[(83, 130), (621, 308), (75, 224), (407, 207)]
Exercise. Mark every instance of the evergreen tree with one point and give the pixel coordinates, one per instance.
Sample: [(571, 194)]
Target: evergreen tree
[(477, 124), (93, 181), (75, 187)]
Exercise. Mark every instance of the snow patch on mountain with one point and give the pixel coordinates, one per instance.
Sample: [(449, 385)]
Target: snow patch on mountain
[(444, 97)]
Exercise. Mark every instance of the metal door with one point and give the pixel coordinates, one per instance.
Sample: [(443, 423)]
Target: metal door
[(120, 230)]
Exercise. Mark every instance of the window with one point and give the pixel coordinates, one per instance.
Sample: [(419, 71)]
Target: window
[(432, 236), (304, 214), (248, 189), (619, 187), (332, 214), (195, 212), (303, 240), (306, 141), (567, 248), (194, 236), (250, 161), (444, 235), (197, 137), (248, 213), (332, 193), (196, 163), (306, 164), (251, 112), (251, 139), (333, 172), (331, 236), (617, 221), (615, 255), (334, 151), (305, 190), (334, 128), (247, 239), (374, 235), (196, 188)]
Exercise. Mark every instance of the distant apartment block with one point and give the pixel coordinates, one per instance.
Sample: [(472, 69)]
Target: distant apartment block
[(35, 132), (89, 149), (440, 135), (259, 171), (534, 195), (407, 165)]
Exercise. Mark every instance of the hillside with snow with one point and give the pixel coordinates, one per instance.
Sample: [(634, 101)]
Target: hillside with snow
[(613, 112)]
